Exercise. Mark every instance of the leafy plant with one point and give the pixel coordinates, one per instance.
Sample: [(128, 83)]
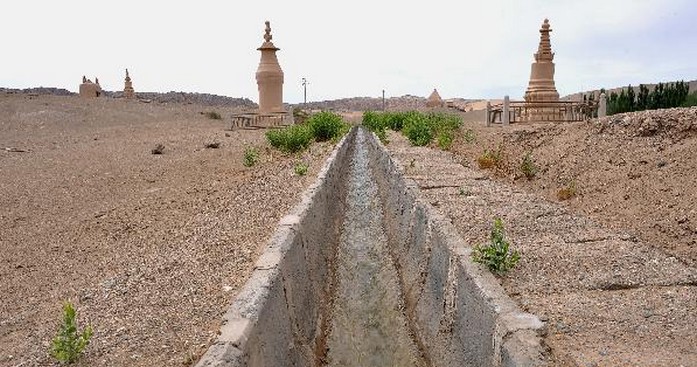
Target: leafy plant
[(290, 139), (497, 255), (445, 139), (528, 166), (251, 156), (301, 168), (213, 115), (68, 344), (417, 129), (567, 192), (325, 125)]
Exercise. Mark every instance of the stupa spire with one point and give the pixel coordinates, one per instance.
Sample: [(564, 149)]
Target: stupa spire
[(544, 51), (269, 76)]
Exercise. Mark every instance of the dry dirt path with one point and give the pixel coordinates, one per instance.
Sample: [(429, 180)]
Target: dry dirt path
[(609, 298), (150, 248)]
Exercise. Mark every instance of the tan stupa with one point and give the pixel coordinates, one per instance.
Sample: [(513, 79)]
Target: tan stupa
[(128, 91), (269, 76), (88, 89), (434, 100), (541, 87)]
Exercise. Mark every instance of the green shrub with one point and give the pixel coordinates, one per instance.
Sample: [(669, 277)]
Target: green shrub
[(445, 139), (528, 166), (417, 129), (68, 344), (213, 115), (300, 168), (325, 125), (251, 156), (497, 255), (290, 139)]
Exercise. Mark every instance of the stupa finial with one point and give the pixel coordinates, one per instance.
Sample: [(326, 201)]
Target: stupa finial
[(267, 35)]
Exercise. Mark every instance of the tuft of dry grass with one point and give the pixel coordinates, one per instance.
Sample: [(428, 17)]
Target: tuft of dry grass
[(567, 192)]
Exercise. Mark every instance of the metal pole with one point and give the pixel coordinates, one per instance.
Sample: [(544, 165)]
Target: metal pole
[(304, 91)]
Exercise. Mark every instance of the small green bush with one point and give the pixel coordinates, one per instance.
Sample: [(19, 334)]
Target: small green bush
[(445, 139), (213, 115), (528, 166), (417, 129), (325, 125), (300, 168), (68, 344), (251, 156), (496, 255), (290, 139)]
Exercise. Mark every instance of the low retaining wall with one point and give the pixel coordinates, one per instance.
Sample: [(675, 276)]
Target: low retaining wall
[(458, 313), (279, 316)]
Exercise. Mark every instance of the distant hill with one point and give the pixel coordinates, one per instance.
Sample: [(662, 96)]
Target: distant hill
[(205, 99), (579, 95), (406, 102)]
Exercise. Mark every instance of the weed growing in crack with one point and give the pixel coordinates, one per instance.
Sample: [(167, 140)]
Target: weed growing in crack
[(528, 166), (300, 168)]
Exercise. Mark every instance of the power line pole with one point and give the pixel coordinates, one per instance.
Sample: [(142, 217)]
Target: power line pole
[(305, 91)]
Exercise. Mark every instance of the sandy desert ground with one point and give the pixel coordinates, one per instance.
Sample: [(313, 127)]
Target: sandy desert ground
[(150, 248)]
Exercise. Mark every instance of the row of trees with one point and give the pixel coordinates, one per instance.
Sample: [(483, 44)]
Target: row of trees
[(667, 95)]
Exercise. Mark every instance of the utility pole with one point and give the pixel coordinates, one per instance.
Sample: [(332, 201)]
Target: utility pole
[(304, 91), (383, 100)]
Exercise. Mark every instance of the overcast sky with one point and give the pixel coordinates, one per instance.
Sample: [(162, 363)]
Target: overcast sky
[(468, 49)]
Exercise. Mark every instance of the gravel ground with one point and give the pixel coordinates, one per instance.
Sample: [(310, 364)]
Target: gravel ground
[(609, 297), (150, 248)]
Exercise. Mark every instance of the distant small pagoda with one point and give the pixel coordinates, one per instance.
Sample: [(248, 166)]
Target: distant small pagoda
[(128, 91), (434, 100)]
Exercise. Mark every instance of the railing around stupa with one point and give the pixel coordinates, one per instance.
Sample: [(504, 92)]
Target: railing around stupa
[(556, 111), (253, 120)]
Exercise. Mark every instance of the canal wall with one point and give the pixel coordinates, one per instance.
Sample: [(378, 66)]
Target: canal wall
[(457, 312)]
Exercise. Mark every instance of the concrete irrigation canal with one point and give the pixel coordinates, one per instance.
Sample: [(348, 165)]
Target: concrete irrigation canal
[(363, 273)]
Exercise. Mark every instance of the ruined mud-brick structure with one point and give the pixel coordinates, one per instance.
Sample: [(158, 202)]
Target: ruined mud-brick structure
[(434, 100), (128, 91), (88, 89), (270, 84)]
